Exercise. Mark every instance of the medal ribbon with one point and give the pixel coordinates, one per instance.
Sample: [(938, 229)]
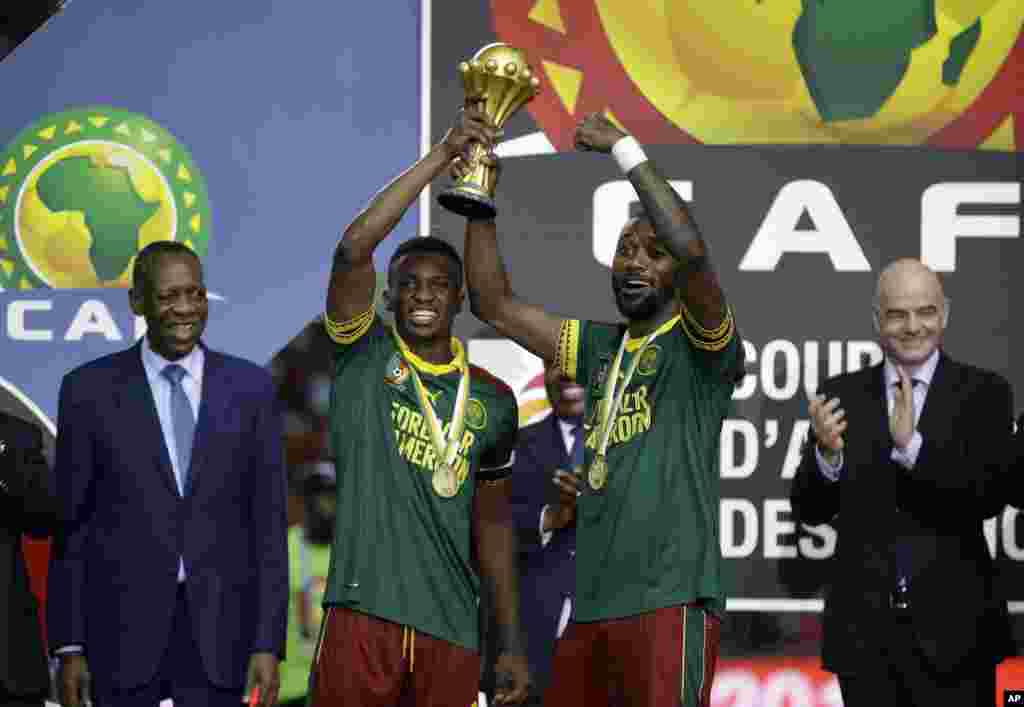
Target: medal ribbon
[(612, 397), (447, 449)]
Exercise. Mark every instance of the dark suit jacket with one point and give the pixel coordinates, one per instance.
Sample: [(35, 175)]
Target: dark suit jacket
[(27, 505), (113, 575), (936, 509), (547, 574)]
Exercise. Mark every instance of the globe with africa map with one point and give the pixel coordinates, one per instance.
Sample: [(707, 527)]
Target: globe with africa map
[(83, 191), (87, 210)]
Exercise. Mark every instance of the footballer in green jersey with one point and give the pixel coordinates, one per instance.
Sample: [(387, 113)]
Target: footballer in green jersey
[(422, 443), (658, 387)]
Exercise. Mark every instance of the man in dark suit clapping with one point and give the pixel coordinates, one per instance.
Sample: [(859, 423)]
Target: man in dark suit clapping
[(26, 506), (908, 459), (169, 576)]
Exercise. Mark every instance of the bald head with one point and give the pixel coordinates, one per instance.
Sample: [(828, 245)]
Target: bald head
[(911, 312), (908, 274)]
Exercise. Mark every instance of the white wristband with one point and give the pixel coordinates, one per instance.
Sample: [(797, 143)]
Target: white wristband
[(628, 153)]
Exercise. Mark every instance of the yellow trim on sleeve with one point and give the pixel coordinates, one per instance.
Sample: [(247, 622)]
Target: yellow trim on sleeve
[(567, 351), (349, 332), (709, 339)]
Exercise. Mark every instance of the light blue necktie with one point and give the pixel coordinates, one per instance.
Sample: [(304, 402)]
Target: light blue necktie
[(183, 422)]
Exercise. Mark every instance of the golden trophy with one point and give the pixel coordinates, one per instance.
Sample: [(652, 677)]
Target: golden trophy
[(499, 76)]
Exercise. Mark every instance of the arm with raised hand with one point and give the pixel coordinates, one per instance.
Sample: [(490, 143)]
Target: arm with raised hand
[(353, 279), (492, 300), (670, 217)]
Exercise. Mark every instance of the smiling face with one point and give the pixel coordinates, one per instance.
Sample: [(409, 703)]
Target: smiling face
[(172, 298), (643, 273), (911, 312), (424, 296)]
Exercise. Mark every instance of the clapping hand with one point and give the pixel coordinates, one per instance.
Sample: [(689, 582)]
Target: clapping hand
[(562, 513), (901, 422), (828, 421)]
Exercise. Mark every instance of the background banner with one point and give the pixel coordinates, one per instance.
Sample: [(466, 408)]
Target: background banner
[(811, 164), (253, 131), (256, 131)]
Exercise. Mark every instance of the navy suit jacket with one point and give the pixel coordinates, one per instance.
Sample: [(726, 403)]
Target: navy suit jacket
[(547, 573), (114, 567)]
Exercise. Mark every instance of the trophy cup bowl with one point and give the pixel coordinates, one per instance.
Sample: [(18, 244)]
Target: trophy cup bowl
[(499, 77)]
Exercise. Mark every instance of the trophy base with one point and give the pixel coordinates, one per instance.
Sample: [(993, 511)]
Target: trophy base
[(465, 202)]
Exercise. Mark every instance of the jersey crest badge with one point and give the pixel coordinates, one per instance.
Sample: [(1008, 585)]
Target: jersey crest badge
[(397, 371), (648, 363), (476, 414)]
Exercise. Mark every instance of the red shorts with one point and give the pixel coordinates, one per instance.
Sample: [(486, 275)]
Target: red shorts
[(663, 657), (363, 661)]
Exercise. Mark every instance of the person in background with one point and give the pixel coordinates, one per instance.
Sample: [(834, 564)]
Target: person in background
[(309, 554), (27, 505)]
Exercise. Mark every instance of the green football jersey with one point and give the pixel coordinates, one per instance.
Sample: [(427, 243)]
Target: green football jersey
[(402, 552), (649, 538)]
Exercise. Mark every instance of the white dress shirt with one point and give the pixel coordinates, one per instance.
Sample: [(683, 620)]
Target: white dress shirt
[(192, 384), (907, 458), (568, 438)]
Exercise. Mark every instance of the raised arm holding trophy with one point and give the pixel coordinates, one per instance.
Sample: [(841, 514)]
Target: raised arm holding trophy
[(498, 81), (649, 595), (424, 525)]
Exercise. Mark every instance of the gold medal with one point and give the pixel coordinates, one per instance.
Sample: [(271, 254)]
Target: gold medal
[(444, 481), (609, 405), (598, 475)]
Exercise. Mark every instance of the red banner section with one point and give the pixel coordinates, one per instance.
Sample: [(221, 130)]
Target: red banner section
[(801, 682), (689, 72), (37, 559)]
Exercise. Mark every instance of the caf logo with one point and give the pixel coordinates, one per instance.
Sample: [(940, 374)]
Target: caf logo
[(84, 190), (397, 371), (476, 414), (648, 362)]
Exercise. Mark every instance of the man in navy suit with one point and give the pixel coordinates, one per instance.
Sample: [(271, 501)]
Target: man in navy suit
[(169, 576), (544, 490)]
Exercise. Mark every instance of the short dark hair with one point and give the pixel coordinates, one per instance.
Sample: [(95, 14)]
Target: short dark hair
[(428, 244), (146, 262)]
